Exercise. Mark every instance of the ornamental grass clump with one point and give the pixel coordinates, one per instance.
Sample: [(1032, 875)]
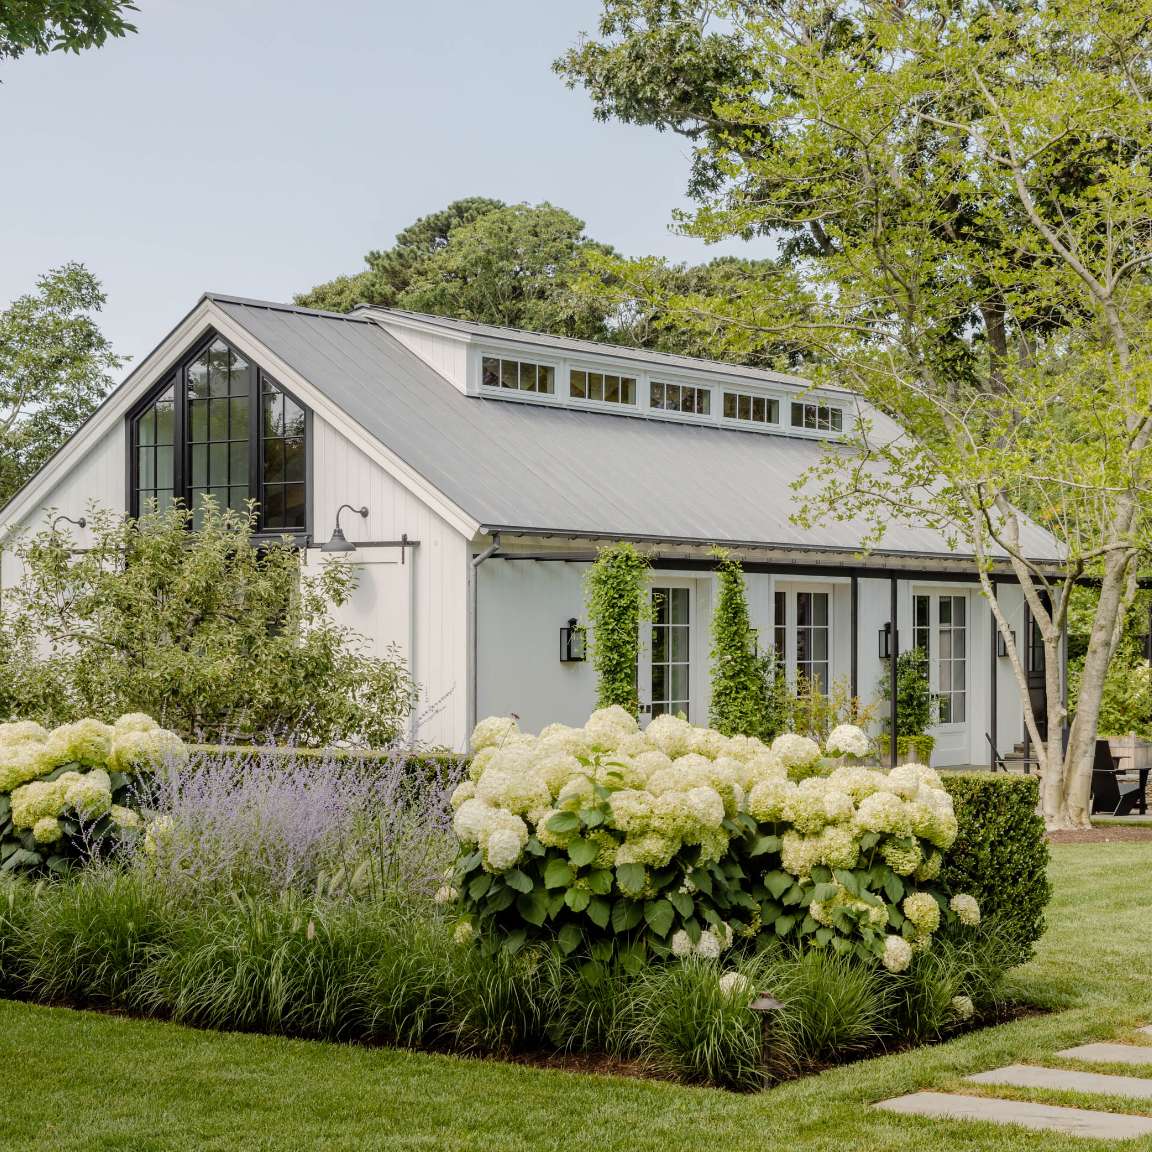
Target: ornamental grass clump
[(73, 793), (616, 845)]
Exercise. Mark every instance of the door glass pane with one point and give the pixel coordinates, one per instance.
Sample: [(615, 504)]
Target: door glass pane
[(813, 639), (951, 662), (670, 673)]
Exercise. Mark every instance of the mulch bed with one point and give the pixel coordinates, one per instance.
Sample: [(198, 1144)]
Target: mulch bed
[(1109, 835)]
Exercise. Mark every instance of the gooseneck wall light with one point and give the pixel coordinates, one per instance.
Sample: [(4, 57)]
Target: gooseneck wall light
[(338, 542)]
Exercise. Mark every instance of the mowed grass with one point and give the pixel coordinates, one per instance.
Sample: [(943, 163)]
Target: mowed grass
[(76, 1080)]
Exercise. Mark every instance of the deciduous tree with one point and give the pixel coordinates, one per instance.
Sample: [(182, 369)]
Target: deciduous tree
[(967, 192)]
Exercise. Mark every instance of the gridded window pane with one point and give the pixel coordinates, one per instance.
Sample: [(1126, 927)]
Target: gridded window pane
[(603, 387), (515, 375), (921, 623), (578, 385), (671, 645), (153, 436), (817, 417), (283, 460), (780, 604), (952, 664), (752, 409), (812, 639), (219, 385)]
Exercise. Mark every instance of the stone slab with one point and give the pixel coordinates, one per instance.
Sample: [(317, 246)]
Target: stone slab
[(1109, 1053), (1063, 1080), (1043, 1117)]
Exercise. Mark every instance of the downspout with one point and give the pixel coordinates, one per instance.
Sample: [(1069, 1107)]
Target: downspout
[(474, 629), (893, 656), (854, 615)]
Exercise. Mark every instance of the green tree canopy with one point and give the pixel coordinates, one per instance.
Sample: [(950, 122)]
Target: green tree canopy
[(966, 194), (534, 267), (54, 370), (43, 26)]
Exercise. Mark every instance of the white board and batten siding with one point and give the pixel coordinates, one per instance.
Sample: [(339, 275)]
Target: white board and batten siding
[(424, 605), (97, 480)]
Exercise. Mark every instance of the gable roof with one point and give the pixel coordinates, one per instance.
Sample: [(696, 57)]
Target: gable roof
[(543, 469)]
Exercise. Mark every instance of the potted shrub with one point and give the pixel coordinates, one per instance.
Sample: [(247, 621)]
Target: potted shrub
[(915, 708)]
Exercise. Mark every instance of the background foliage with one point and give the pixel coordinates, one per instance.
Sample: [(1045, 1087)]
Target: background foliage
[(55, 369)]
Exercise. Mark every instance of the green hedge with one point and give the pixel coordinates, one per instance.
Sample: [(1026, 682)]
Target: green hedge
[(1001, 854)]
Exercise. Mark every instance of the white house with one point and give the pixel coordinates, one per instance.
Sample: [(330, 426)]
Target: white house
[(492, 463)]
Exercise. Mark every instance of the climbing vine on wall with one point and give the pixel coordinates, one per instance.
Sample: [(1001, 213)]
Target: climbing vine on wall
[(615, 590), (745, 696)]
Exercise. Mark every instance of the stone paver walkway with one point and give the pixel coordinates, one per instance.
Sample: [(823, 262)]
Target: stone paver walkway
[(1085, 1122), (1109, 1053), (1046, 1117), (1063, 1080)]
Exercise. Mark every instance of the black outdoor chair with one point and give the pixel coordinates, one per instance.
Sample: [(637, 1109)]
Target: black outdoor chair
[(1000, 764), (1111, 796)]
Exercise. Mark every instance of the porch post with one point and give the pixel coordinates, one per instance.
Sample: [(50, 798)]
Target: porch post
[(992, 717), (854, 614), (894, 654)]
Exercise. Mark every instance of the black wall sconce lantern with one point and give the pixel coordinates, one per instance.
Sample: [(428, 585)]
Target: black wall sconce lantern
[(1002, 644), (573, 642), (886, 641)]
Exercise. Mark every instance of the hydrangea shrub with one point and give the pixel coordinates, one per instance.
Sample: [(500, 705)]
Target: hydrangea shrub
[(616, 843), (69, 792)]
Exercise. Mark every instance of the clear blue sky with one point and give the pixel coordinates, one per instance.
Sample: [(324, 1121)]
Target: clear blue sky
[(260, 146)]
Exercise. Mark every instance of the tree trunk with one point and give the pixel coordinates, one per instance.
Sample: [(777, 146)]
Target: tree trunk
[(1066, 795)]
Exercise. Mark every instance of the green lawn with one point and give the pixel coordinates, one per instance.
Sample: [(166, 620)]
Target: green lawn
[(76, 1080)]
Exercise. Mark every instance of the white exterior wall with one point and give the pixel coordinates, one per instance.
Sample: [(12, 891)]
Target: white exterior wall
[(95, 481), (431, 616), (524, 604), (447, 354)]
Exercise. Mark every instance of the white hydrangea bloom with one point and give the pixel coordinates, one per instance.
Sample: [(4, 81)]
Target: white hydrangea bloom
[(492, 732), (670, 735), (963, 1007), (681, 943), (904, 780), (847, 740), (446, 894), (470, 821), (897, 954), (765, 766), (769, 799), (465, 790), (736, 986), (746, 748), (464, 932), (858, 782), (882, 812), (967, 909), (710, 945), (22, 732), (709, 743), (47, 830), (795, 751), (135, 722), (923, 912), (502, 850)]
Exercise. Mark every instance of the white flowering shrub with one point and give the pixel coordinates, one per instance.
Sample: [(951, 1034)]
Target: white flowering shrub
[(69, 792), (677, 840)]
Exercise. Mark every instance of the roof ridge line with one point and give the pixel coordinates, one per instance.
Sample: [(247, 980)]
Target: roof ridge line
[(278, 306)]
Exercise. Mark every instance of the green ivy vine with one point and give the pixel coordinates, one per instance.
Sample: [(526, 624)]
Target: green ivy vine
[(615, 590)]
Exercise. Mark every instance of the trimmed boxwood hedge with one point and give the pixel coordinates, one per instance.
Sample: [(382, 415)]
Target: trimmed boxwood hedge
[(1001, 854)]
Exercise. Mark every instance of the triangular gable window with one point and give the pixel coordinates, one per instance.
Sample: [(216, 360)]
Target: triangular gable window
[(220, 426)]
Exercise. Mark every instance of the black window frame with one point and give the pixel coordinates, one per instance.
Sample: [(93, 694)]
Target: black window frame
[(176, 378)]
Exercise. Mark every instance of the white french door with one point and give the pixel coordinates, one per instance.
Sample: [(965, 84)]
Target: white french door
[(667, 640), (940, 625)]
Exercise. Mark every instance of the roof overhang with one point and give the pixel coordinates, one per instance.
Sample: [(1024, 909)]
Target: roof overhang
[(582, 547)]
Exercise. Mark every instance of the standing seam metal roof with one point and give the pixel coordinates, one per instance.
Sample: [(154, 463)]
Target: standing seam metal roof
[(543, 468)]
